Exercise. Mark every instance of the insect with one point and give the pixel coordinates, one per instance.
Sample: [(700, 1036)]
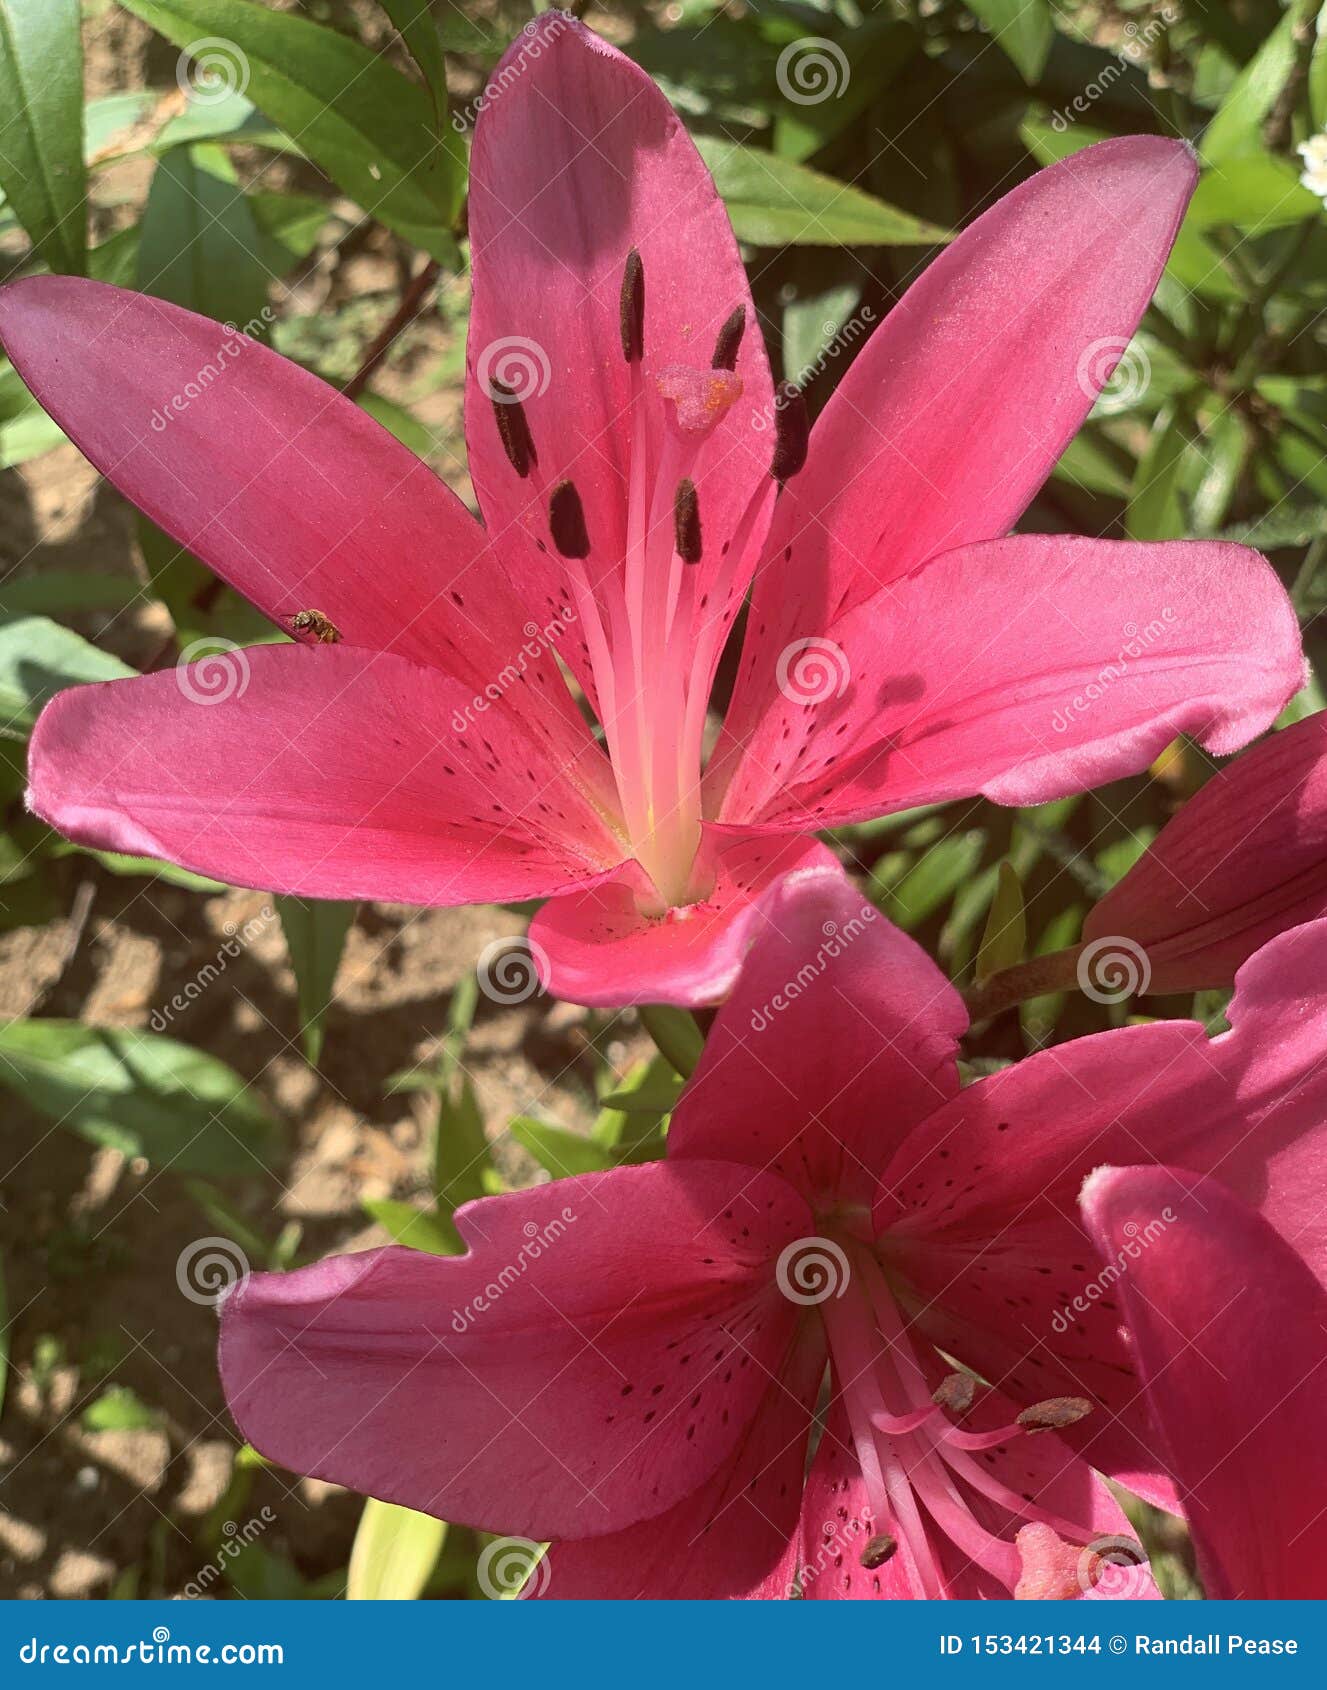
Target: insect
[(315, 623)]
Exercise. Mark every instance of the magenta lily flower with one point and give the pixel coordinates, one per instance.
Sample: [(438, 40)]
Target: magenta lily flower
[(419, 744), (1243, 860), (628, 1363), (1227, 1320)]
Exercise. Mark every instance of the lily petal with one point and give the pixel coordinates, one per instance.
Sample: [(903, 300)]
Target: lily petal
[(1243, 860), (728, 1539), (979, 1204), (579, 161), (1228, 1323), (1024, 669), (289, 491), (328, 772), (592, 1360), (962, 401), (839, 1037), (596, 947)]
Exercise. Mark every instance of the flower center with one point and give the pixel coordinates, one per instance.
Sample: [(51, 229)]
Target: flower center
[(923, 1479)]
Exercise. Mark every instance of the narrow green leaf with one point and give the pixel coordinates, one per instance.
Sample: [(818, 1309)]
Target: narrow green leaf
[(395, 1550), (676, 1034), (1023, 28), (143, 1094), (315, 938), (199, 243), (773, 201), (1236, 127), (370, 128), (38, 658), (421, 1229), (933, 879), (558, 1151), (1156, 511), (415, 24), (1005, 937), (42, 173)]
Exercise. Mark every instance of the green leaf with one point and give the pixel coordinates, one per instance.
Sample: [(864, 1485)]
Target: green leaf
[(315, 937), (774, 202), (415, 25), (42, 173), (932, 880), (199, 243), (25, 429), (1156, 511), (143, 1094), (558, 1151), (676, 1034), (1258, 192), (118, 1409), (395, 1550), (37, 659), (421, 1229), (1005, 937), (1023, 28), (1236, 127), (867, 61), (370, 128)]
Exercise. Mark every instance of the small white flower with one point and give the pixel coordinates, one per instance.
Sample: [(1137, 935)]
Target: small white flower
[(1314, 153)]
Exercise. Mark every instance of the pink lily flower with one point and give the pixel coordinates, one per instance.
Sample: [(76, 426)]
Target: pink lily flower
[(1227, 1320), (626, 447), (628, 1363), (1243, 860)]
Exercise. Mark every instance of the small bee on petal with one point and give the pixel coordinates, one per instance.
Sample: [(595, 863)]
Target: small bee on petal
[(315, 623)]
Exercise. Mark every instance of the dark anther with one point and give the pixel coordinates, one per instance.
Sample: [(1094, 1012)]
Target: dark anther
[(729, 342), (955, 1392), (631, 309), (1054, 1413), (566, 521), (793, 433), (879, 1550), (513, 427), (686, 521)]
